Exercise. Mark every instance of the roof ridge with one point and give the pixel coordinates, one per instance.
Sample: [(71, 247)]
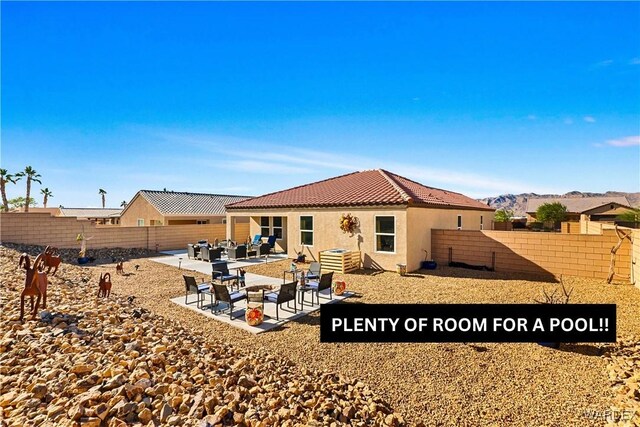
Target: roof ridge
[(396, 185), (298, 186), (425, 186), (195, 194)]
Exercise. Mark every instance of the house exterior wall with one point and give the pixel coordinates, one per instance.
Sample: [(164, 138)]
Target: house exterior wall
[(422, 220), (412, 231), (139, 207), (327, 234), (635, 258)]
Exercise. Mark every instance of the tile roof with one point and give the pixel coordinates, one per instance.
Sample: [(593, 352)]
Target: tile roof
[(183, 203), (576, 204), (366, 188), (90, 212)]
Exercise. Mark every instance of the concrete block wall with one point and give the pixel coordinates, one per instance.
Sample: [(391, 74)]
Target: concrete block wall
[(548, 254), (44, 229), (570, 227)]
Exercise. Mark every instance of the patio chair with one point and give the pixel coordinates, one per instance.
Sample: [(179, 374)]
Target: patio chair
[(314, 271), (222, 295), (271, 241), (192, 251), (221, 273), (287, 293), (210, 254), (191, 286), (238, 252), (257, 239), (263, 249), (325, 282)]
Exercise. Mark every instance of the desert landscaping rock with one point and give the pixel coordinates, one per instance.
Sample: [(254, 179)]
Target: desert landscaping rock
[(93, 362)]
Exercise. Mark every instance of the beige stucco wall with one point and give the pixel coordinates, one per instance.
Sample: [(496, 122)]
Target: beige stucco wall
[(327, 234), (139, 207), (422, 220)]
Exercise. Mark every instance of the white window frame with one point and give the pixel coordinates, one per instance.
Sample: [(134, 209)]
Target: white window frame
[(268, 226), (376, 234), (140, 222), (313, 237), (273, 227), (459, 222), (481, 223)]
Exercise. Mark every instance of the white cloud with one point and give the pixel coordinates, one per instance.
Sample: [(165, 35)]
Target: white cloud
[(628, 141), (589, 119), (604, 63)]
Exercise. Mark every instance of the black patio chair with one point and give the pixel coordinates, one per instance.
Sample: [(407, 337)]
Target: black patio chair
[(210, 254), (287, 293), (324, 283), (222, 295), (191, 286), (221, 272), (263, 249), (237, 252)]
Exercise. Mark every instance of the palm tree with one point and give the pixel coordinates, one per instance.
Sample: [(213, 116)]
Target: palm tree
[(123, 204), (102, 193), (46, 193), (31, 175), (6, 177)]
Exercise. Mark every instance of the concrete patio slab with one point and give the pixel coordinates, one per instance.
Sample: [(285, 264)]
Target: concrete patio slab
[(269, 322)]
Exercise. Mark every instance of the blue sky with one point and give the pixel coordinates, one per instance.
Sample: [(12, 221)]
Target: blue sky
[(248, 98)]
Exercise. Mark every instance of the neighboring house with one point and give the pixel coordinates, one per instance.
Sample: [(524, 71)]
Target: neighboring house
[(150, 207), (395, 216), (32, 209), (105, 216), (604, 209)]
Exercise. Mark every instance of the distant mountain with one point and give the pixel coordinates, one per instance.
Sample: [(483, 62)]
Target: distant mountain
[(518, 202)]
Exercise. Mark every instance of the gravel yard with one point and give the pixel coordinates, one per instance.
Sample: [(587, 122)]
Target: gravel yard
[(437, 384)]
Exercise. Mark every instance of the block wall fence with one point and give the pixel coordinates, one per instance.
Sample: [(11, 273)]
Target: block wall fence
[(547, 254), (44, 229)]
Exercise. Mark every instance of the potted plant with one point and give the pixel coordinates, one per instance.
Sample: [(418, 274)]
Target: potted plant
[(428, 264), (553, 299), (82, 255)]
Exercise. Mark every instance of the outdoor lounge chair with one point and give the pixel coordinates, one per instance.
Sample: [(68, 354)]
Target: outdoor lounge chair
[(238, 252), (191, 286), (314, 271), (210, 254), (287, 293), (223, 295), (257, 239), (324, 283), (271, 241), (221, 273)]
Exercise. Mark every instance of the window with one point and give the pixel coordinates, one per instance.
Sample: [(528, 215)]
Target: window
[(385, 234), (481, 223), (459, 222), (202, 221), (264, 226), (277, 227), (140, 222), (306, 230)]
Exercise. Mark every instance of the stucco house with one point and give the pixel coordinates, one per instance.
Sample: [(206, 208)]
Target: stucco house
[(603, 209), (395, 217), (149, 207)]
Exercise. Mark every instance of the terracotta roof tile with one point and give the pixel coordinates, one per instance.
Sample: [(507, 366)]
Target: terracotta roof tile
[(366, 188)]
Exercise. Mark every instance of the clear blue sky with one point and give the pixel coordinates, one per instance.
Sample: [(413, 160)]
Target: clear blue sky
[(248, 98)]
